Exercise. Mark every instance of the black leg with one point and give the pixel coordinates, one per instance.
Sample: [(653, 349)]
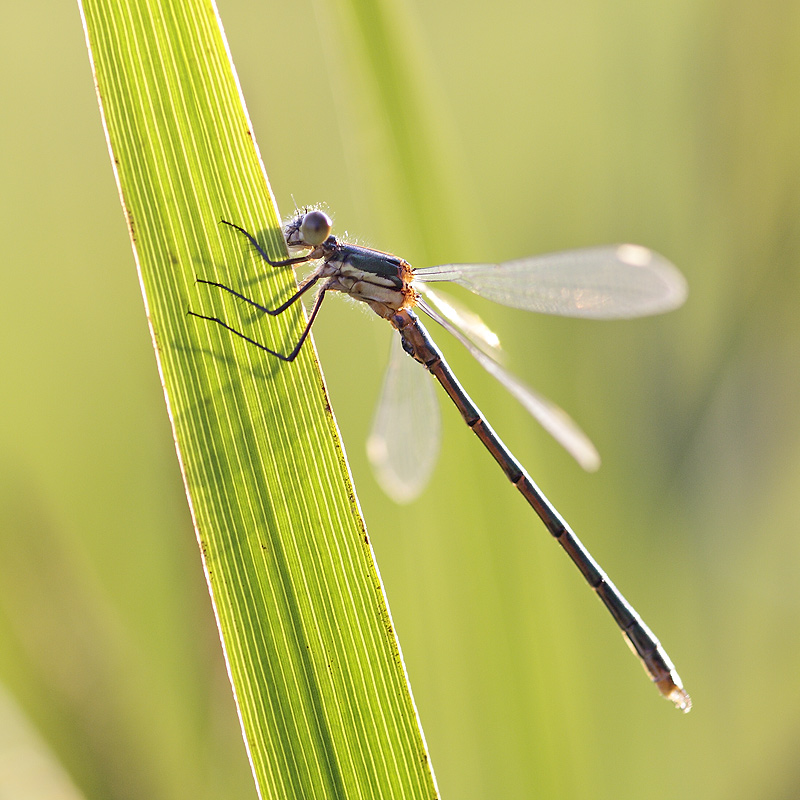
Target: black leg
[(285, 263), (291, 356), (272, 312)]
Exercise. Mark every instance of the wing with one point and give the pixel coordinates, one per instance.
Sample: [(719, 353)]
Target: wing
[(466, 320), (600, 282), (406, 433), (553, 419)]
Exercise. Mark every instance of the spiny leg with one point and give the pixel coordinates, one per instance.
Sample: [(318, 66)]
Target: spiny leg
[(272, 312), (291, 356), (287, 262)]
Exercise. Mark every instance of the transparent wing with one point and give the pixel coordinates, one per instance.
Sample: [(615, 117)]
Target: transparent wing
[(406, 433), (614, 282), (553, 419), (466, 320)]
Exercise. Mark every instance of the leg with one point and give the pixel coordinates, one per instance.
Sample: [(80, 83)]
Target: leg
[(281, 356), (285, 263), (272, 312)]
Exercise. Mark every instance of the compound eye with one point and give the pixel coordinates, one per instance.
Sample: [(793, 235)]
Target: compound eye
[(315, 228)]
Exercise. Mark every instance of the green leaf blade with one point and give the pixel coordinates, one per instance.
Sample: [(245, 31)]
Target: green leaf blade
[(319, 681)]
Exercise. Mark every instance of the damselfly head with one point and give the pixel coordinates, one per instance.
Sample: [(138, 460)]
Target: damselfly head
[(308, 229)]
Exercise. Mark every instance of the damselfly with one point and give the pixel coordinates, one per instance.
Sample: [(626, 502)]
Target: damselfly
[(602, 283)]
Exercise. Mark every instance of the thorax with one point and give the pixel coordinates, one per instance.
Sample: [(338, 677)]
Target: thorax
[(381, 280)]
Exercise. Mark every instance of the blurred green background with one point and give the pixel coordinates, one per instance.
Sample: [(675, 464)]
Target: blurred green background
[(443, 134)]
